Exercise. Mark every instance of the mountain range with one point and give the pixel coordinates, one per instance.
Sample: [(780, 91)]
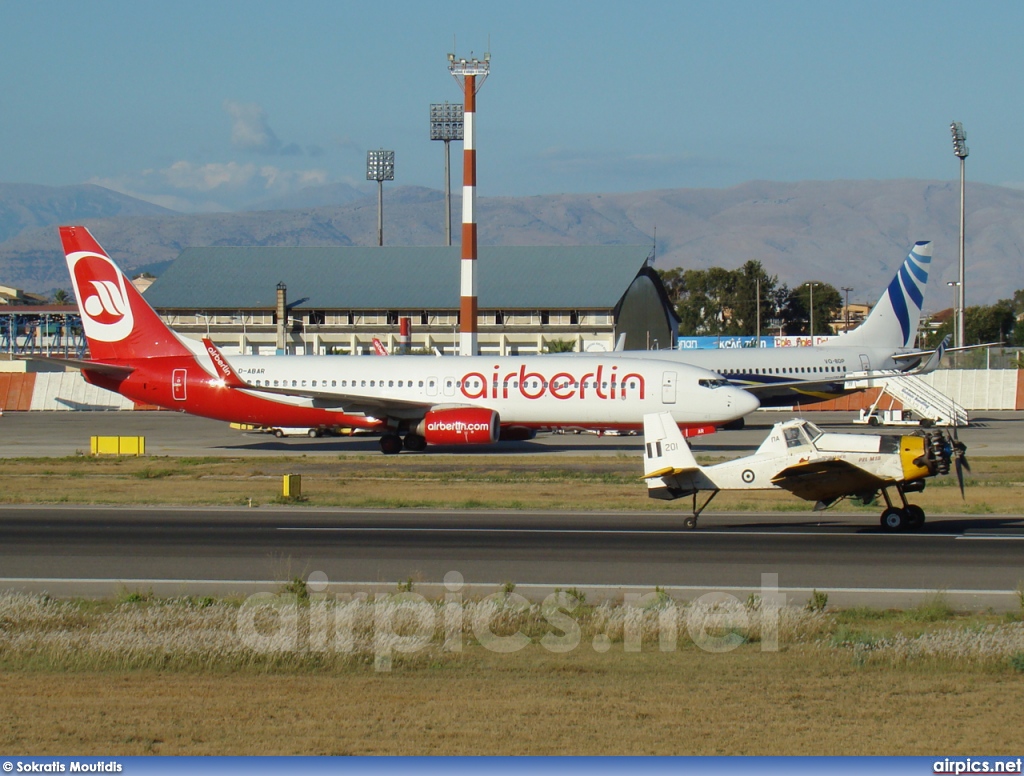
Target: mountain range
[(846, 233)]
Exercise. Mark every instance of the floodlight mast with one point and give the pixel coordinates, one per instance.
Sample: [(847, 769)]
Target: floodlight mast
[(380, 167), (446, 123), (466, 72), (960, 150), (811, 306)]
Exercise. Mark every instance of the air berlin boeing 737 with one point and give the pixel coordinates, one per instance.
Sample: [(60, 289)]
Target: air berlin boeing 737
[(412, 401)]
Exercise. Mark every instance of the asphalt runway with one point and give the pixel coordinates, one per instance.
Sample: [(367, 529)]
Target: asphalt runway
[(56, 434), (976, 563)]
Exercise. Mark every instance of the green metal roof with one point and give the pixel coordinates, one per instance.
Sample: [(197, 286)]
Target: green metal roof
[(567, 277)]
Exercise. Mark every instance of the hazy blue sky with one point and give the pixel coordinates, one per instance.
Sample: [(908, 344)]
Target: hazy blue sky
[(210, 105)]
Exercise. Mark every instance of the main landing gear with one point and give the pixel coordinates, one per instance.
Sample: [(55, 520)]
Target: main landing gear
[(898, 518), (392, 444)]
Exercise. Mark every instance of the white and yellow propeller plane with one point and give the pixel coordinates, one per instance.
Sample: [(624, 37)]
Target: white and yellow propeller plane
[(812, 464)]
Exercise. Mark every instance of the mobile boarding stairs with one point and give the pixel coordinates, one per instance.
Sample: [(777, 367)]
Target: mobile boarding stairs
[(923, 405)]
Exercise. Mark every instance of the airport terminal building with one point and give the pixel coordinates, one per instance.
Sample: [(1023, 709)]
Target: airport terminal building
[(337, 300)]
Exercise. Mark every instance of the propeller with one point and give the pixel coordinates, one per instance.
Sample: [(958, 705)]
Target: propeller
[(958, 452), (946, 449)]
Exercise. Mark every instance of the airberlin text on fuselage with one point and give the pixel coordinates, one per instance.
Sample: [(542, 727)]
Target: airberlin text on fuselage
[(563, 385)]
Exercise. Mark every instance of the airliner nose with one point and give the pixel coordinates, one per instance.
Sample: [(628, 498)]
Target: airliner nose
[(743, 402)]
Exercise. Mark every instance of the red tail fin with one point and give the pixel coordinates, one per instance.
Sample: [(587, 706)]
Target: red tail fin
[(119, 324)]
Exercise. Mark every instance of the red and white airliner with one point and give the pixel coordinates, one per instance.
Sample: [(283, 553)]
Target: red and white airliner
[(413, 401)]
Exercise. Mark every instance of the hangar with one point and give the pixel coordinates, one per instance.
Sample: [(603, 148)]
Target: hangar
[(338, 299)]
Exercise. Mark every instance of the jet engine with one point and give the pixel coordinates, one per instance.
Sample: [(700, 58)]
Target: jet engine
[(459, 426)]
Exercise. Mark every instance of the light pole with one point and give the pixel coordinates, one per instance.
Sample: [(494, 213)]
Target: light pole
[(446, 123), (847, 289), (380, 167), (955, 285), (960, 150), (811, 287), (466, 72)]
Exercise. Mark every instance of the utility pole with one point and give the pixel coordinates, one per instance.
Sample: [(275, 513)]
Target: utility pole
[(847, 289)]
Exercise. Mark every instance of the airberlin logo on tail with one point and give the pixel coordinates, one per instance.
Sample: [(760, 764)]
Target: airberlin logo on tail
[(102, 297), (219, 362)]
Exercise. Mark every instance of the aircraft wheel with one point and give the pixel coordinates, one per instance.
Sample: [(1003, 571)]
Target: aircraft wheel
[(415, 443), (391, 444), (893, 519), (690, 522), (915, 517), (314, 433), (278, 433)]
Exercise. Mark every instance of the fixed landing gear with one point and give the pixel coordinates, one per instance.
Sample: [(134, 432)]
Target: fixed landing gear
[(691, 521), (897, 518)]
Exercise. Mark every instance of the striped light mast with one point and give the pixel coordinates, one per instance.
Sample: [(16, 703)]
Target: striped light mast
[(470, 74)]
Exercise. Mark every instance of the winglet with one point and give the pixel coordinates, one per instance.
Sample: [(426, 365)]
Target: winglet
[(223, 369), (933, 361), (378, 347), (665, 450)]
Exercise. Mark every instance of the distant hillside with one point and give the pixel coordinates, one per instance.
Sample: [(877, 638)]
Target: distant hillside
[(327, 195), (26, 206), (847, 233)]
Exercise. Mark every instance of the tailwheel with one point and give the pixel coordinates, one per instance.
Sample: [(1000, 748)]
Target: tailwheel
[(894, 519), (915, 516), (690, 522), (391, 444)]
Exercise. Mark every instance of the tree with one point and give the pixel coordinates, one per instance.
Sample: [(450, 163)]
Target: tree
[(718, 301), (827, 305), (753, 289), (672, 280), (991, 323), (60, 296), (560, 346)]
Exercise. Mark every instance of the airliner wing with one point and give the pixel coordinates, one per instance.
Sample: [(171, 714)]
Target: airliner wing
[(345, 402)]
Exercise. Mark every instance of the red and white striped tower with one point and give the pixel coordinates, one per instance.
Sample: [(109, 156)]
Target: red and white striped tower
[(466, 73)]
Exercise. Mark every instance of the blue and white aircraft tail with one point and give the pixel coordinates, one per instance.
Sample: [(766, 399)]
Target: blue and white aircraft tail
[(893, 321)]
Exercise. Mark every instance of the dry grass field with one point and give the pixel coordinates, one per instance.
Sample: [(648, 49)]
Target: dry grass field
[(133, 677), (500, 482), (745, 703)]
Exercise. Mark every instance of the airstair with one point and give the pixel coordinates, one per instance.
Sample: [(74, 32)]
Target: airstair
[(928, 405)]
